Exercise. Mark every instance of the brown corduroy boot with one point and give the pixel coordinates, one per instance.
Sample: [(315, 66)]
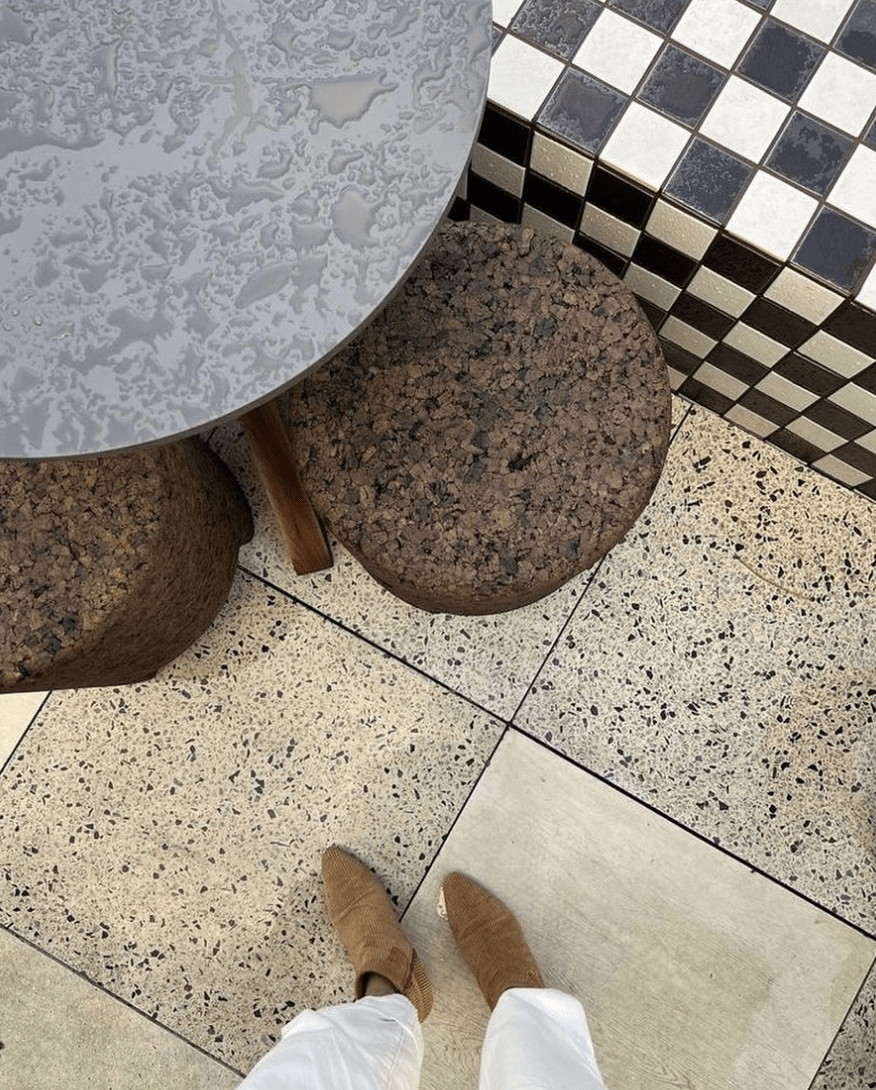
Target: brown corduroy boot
[(362, 915), (490, 939)]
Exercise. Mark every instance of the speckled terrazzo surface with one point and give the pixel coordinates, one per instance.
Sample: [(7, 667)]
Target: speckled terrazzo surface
[(201, 202), (717, 666)]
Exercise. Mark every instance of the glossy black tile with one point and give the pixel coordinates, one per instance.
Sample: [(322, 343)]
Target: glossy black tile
[(682, 86), (664, 260), (809, 375), (559, 26), (780, 324), (621, 198), (796, 445), (702, 316), (758, 402), (582, 110), (658, 14), (679, 358), (781, 60), (504, 134), (867, 489), (809, 153), (859, 457), (857, 39), (866, 379), (741, 264), (655, 315), (489, 197), (553, 200), (616, 262), (838, 420), (709, 179), (737, 364), (704, 395), (855, 325), (837, 249)]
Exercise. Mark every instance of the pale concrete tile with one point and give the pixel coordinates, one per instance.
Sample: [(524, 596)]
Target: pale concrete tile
[(718, 664), (168, 836), (685, 960), (16, 713), (61, 1033)]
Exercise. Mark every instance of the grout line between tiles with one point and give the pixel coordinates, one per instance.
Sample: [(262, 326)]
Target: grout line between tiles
[(692, 832), (23, 734), (118, 999), (845, 1018)]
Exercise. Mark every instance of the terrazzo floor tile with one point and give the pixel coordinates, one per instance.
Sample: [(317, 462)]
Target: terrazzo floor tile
[(59, 1032), (694, 970), (721, 665), (165, 839), (851, 1062), (491, 659), (17, 710)]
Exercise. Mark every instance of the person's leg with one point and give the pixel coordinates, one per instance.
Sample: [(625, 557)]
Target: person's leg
[(376, 1043), (537, 1038)]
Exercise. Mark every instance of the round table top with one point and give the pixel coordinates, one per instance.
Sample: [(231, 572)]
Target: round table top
[(200, 202)]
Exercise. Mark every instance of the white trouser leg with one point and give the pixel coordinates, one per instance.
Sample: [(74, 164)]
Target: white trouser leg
[(373, 1044), (537, 1039)]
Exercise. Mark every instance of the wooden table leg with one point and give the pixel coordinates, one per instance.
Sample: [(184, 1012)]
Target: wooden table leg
[(274, 458)]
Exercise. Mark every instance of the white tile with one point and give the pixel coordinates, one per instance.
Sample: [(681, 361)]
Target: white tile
[(816, 434), (817, 18), (16, 713), (505, 10), (867, 294), (618, 51), (855, 189), (521, 77), (479, 215), (868, 441), (610, 231), (835, 355), (803, 296), (559, 163), (857, 400), (719, 29), (720, 292), (755, 344), (772, 215), (719, 380), (645, 145), (692, 339), (686, 233), (787, 393), (677, 379), (841, 93), (745, 119), (497, 169), (841, 470), (650, 286), (535, 218), (752, 422)]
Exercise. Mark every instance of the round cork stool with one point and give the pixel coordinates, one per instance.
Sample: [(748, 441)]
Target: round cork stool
[(496, 429), (110, 567)]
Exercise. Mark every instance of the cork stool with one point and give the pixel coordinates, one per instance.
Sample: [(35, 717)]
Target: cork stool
[(495, 431), (110, 567)]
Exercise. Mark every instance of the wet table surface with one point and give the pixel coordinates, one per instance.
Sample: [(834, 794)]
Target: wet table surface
[(200, 202)]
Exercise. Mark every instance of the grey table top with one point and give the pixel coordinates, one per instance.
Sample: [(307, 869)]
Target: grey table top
[(201, 201)]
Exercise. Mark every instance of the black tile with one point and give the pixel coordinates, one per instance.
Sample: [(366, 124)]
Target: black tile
[(679, 358), (615, 262), (859, 457), (782, 325), (702, 316), (553, 200), (758, 402), (664, 260), (781, 59), (737, 364), (837, 249), (504, 134), (681, 85), (809, 153), (492, 199), (867, 379), (867, 489), (796, 445), (655, 315), (809, 375), (658, 14), (709, 179), (858, 37), (705, 396), (619, 197), (458, 210), (855, 325), (838, 420), (870, 136), (739, 263), (559, 26), (582, 110)]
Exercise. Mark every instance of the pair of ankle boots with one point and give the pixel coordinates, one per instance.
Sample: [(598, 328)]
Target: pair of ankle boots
[(487, 933)]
